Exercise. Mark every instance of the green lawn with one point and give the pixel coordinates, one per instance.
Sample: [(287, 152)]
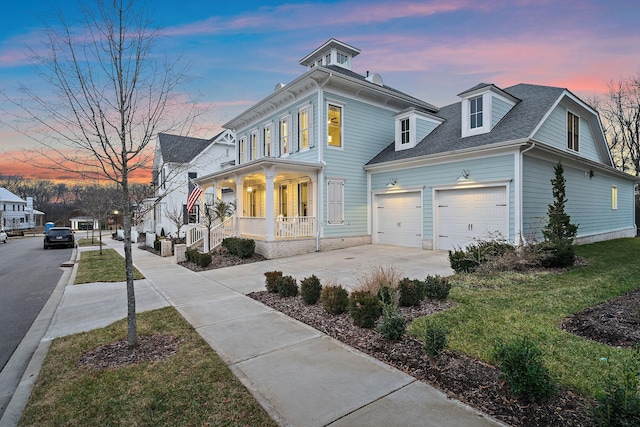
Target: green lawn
[(505, 305), (108, 267), (192, 388), (95, 241)]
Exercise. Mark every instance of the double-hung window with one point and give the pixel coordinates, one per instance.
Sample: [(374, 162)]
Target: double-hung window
[(284, 136), (243, 147), (303, 128), (266, 141), (335, 205), (573, 131), (334, 126), (404, 131), (475, 110), (303, 198), (253, 149), (614, 198)]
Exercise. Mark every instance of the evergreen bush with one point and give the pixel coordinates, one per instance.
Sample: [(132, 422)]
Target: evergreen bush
[(286, 286), (335, 299), (271, 278), (435, 338), (522, 365), (392, 326), (437, 287), (412, 292), (364, 309), (310, 289), (619, 400), (240, 247)]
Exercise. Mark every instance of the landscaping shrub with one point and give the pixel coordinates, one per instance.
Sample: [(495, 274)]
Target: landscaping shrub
[(435, 338), (286, 286), (522, 365), (378, 278), (482, 251), (437, 287), (204, 260), (241, 247), (392, 326), (619, 401), (388, 295), (559, 253), (335, 299), (271, 278), (156, 243), (412, 292), (364, 308), (191, 255), (310, 289)]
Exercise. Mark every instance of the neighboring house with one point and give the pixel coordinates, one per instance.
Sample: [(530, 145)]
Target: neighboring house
[(335, 159), (17, 213), (177, 161)]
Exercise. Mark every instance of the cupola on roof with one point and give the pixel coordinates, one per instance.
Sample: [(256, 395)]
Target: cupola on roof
[(333, 52)]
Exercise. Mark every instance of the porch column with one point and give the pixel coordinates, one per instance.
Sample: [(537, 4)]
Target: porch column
[(269, 174), (239, 203)]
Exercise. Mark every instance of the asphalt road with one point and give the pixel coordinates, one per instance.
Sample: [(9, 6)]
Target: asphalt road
[(28, 276)]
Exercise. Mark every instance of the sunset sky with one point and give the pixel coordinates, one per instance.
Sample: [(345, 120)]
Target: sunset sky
[(432, 50)]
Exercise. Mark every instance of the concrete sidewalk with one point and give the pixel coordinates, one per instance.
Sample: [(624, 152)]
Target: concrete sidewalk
[(298, 374)]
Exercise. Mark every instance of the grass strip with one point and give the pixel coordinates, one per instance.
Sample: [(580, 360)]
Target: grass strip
[(108, 267), (505, 305), (192, 388)]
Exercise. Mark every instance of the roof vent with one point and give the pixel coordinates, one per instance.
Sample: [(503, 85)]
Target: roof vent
[(278, 87), (375, 78)]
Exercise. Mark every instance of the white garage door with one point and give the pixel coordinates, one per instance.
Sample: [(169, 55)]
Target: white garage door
[(399, 219), (468, 214)]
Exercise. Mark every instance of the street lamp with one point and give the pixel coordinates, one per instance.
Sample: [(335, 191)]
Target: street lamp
[(116, 215)]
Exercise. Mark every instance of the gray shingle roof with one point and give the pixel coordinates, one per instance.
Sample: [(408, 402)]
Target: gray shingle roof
[(518, 123), (182, 149), (353, 74)]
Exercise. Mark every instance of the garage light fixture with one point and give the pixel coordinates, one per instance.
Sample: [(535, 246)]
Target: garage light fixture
[(391, 183), (464, 175)]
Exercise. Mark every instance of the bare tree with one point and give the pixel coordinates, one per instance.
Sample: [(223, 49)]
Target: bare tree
[(113, 96), (175, 214), (620, 113)]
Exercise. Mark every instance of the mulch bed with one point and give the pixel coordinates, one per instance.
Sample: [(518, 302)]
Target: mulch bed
[(459, 376), (118, 354)]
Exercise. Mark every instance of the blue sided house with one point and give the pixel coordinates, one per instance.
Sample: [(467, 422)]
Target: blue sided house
[(335, 159)]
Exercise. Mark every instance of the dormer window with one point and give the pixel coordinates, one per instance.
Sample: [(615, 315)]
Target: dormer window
[(404, 131), (343, 59), (475, 118)]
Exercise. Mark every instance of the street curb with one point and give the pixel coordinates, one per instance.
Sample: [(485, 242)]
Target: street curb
[(30, 353)]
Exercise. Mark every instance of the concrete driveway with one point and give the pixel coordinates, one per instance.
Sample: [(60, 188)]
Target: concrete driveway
[(342, 266)]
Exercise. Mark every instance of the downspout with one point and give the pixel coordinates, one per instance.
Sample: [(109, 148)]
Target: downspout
[(520, 200)]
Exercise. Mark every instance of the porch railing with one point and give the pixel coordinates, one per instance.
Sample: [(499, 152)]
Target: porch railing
[(195, 235), (221, 232), (292, 227)]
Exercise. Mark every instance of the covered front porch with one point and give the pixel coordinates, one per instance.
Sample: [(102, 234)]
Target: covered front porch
[(276, 200)]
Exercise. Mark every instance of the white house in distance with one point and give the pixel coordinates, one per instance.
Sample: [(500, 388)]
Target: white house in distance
[(17, 213), (177, 161), (337, 158)]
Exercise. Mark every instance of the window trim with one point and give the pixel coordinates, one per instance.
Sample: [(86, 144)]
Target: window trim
[(341, 107), (267, 141), (308, 111), (284, 143), (473, 102), (573, 134), (330, 219)]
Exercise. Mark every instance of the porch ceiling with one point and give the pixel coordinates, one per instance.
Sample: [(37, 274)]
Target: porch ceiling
[(255, 172)]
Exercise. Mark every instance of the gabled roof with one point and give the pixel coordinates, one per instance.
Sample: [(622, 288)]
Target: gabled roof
[(182, 149), (518, 124), (8, 196)]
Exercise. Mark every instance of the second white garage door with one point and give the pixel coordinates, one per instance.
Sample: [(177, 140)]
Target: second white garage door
[(399, 219), (468, 214)]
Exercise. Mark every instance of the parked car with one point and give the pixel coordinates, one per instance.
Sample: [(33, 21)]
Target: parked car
[(59, 236), (3, 236)]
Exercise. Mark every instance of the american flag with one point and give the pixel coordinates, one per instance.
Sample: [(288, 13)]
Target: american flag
[(193, 196)]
